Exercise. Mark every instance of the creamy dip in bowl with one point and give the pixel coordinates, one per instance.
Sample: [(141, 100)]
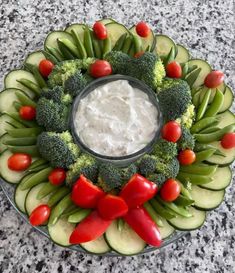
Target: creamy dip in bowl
[(116, 118)]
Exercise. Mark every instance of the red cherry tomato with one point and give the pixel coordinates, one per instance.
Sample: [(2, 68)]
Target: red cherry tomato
[(39, 215), (174, 70), (19, 162), (170, 190), (92, 227), (214, 79), (100, 31), (171, 131), (228, 141), (138, 190), (45, 67), (111, 207), (85, 194), (100, 68), (57, 176), (139, 54), (142, 29), (186, 157), (27, 112)]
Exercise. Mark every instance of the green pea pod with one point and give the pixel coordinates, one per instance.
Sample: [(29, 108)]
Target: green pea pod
[(47, 189), (57, 196), (163, 212), (200, 147), (30, 150), (70, 47), (37, 178), (58, 210), (137, 44), (203, 123), (202, 107), (79, 216), (127, 44), (31, 85), (192, 77), (50, 57), (37, 75), (148, 49), (183, 201), (216, 104), (184, 70), (204, 155), (120, 224), (153, 214), (16, 124), (120, 42), (195, 99), (65, 52), (210, 130), (88, 42), (192, 68), (70, 210), (24, 99), (193, 178), (96, 47), (207, 138), (79, 44), (27, 123), (185, 191), (170, 57), (38, 162), (201, 169), (25, 141), (24, 132), (131, 52), (39, 168), (56, 53), (107, 46), (17, 105)]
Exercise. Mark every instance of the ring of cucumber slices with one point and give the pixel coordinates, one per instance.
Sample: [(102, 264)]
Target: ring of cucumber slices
[(203, 184)]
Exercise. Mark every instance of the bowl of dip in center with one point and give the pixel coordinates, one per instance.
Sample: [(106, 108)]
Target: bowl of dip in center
[(116, 119)]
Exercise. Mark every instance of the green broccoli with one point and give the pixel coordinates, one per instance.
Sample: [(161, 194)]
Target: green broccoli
[(187, 118), (169, 168), (58, 148), (165, 149), (157, 178), (147, 165), (86, 165), (53, 116), (128, 172), (57, 95), (174, 98), (186, 140), (110, 177), (119, 61)]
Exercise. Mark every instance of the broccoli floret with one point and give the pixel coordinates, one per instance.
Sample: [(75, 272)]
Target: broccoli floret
[(119, 61), (147, 165), (174, 98), (86, 165), (58, 148), (128, 172), (57, 95), (110, 177), (169, 169), (187, 118), (186, 140), (157, 178), (165, 149), (52, 115)]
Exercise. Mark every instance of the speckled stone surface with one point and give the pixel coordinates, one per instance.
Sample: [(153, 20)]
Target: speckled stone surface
[(206, 27)]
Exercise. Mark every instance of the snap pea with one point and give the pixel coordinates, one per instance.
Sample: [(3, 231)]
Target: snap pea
[(183, 201), (200, 147), (57, 196), (17, 105), (50, 57), (30, 85), (207, 138), (137, 44), (202, 169), (79, 44), (47, 189), (88, 42), (120, 42), (96, 46), (64, 50), (70, 210), (163, 212), (195, 99), (204, 155), (16, 124), (24, 132), (153, 214), (59, 209), (70, 47), (30, 150), (192, 68), (79, 215), (37, 178), (202, 107), (16, 116), (184, 70), (131, 52), (210, 130), (37, 75), (127, 44), (38, 162), (216, 104), (193, 178), (120, 224), (25, 100), (39, 168), (107, 46), (184, 190), (192, 76), (171, 56), (56, 53)]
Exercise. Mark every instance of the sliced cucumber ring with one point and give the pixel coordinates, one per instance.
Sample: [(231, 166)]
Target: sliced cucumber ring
[(7, 99), (3, 146), (228, 99), (106, 21), (115, 30), (164, 45), (51, 39), (98, 246), (5, 124), (35, 58), (183, 54), (167, 230), (78, 28), (226, 118)]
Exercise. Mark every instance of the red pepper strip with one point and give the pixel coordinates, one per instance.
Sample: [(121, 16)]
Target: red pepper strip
[(140, 221), (92, 227)]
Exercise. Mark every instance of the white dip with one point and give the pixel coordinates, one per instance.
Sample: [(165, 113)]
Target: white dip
[(116, 119)]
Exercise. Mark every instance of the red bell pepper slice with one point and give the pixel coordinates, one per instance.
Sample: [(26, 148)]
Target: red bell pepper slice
[(140, 221)]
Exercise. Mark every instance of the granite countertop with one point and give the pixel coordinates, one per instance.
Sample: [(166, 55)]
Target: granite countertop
[(206, 27)]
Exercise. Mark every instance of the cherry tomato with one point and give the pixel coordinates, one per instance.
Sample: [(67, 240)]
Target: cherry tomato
[(186, 157), (214, 79), (111, 207), (142, 29), (100, 31), (39, 215), (139, 54), (45, 67), (19, 162), (228, 141), (85, 194), (171, 131), (57, 176), (174, 70), (100, 68), (27, 112), (170, 190), (92, 227), (138, 190)]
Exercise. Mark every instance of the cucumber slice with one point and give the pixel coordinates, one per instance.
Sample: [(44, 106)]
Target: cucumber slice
[(7, 99), (205, 70), (10, 81), (164, 45), (3, 138), (78, 28), (31, 201), (124, 241), (6, 173), (98, 246), (195, 222), (61, 231), (4, 124), (51, 39), (114, 31), (228, 99), (106, 21), (206, 199), (146, 42), (183, 54), (35, 58), (221, 179), (226, 118), (222, 160), (166, 230)]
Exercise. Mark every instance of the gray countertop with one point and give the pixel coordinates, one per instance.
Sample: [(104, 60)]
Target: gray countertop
[(206, 27)]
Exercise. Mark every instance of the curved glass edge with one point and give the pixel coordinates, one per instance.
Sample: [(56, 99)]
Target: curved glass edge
[(9, 189)]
